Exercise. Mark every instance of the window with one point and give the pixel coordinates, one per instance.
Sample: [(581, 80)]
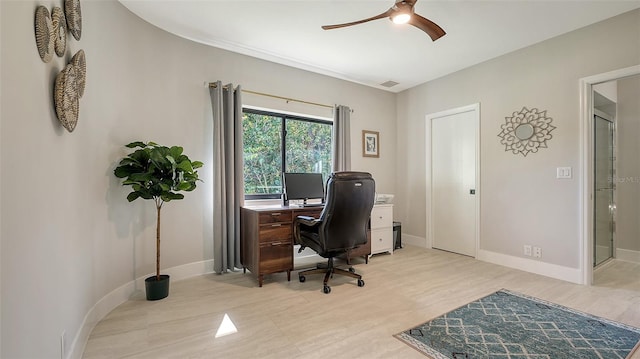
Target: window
[(276, 143)]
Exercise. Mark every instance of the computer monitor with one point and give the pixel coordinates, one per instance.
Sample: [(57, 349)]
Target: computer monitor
[(302, 186)]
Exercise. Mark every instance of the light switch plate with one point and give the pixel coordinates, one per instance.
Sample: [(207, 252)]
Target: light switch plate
[(563, 172)]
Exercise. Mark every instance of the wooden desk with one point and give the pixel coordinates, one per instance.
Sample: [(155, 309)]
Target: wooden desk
[(266, 239)]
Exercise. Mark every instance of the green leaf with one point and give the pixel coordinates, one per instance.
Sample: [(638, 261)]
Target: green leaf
[(185, 166), (191, 180), (133, 196), (169, 196), (170, 159), (122, 171), (133, 183), (176, 151), (140, 156), (166, 185), (196, 164), (145, 194), (136, 144), (140, 177), (185, 186), (159, 159), (128, 161)]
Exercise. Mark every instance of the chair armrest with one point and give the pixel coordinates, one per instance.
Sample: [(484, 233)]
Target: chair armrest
[(308, 223)]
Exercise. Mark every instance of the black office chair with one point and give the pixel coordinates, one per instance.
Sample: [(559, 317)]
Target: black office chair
[(342, 224)]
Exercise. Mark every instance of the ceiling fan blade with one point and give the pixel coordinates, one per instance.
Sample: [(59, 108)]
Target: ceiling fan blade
[(428, 26), (383, 15)]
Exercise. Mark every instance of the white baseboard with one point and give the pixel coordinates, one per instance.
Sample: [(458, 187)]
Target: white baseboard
[(628, 255), (120, 295), (414, 240), (573, 275)]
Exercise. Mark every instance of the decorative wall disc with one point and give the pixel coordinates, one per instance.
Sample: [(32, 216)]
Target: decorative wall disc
[(526, 131), (80, 63), (66, 97), (51, 36), (44, 33), (74, 17), (59, 23)]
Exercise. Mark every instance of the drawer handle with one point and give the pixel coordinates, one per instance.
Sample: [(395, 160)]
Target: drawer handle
[(276, 243), (276, 214), (276, 225)]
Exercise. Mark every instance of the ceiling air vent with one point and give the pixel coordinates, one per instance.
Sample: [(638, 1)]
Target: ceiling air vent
[(389, 83)]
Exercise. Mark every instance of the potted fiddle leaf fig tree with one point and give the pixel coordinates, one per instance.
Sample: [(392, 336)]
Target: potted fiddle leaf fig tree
[(157, 173)]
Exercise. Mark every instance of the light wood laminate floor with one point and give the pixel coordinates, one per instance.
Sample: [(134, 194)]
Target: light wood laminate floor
[(296, 320)]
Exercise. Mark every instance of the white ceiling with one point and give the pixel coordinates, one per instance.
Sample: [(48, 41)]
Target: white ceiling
[(288, 32)]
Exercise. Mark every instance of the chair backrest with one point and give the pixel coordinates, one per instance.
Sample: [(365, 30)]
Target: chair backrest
[(348, 204)]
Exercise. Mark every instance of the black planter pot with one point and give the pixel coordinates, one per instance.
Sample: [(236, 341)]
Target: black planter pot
[(157, 289)]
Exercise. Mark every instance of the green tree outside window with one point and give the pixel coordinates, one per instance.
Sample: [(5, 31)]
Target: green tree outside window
[(276, 143)]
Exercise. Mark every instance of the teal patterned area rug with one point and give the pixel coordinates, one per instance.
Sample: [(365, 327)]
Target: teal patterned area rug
[(509, 325)]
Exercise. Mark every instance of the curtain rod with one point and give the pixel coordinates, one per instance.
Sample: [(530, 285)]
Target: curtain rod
[(213, 84)]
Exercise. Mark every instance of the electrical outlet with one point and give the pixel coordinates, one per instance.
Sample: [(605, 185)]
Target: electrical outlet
[(527, 250), (563, 172), (537, 252)]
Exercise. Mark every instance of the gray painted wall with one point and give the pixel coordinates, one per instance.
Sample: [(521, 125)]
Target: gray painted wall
[(69, 237), (521, 200)]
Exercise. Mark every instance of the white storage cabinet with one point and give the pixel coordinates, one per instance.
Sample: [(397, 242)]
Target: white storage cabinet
[(382, 228)]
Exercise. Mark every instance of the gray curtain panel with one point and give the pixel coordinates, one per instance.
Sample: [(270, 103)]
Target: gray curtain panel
[(228, 184), (341, 139)]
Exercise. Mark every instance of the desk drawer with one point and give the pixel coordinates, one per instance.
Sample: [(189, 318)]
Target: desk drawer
[(275, 232), (275, 257), (381, 217), (275, 217), (382, 240)]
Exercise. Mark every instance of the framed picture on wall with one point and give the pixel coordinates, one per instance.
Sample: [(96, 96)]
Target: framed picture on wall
[(370, 143)]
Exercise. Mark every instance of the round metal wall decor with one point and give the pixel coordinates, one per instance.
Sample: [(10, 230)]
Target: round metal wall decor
[(59, 30), (66, 97), (44, 33), (80, 63), (74, 17), (526, 131)]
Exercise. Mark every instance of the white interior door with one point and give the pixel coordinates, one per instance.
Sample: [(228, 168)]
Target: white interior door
[(454, 191)]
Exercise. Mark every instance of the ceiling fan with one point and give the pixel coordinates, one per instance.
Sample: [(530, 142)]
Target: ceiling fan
[(401, 13)]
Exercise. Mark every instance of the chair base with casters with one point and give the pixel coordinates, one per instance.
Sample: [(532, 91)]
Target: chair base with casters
[(329, 271)]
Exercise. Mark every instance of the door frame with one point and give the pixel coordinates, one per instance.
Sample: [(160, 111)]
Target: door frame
[(428, 118), (586, 158)]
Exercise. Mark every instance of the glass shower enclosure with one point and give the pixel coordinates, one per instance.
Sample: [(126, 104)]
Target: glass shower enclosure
[(604, 190)]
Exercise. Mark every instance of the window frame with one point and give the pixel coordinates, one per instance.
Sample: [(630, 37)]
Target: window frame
[(283, 152)]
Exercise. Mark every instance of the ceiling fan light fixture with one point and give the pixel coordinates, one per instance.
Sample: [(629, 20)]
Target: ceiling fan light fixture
[(401, 18), (401, 12)]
